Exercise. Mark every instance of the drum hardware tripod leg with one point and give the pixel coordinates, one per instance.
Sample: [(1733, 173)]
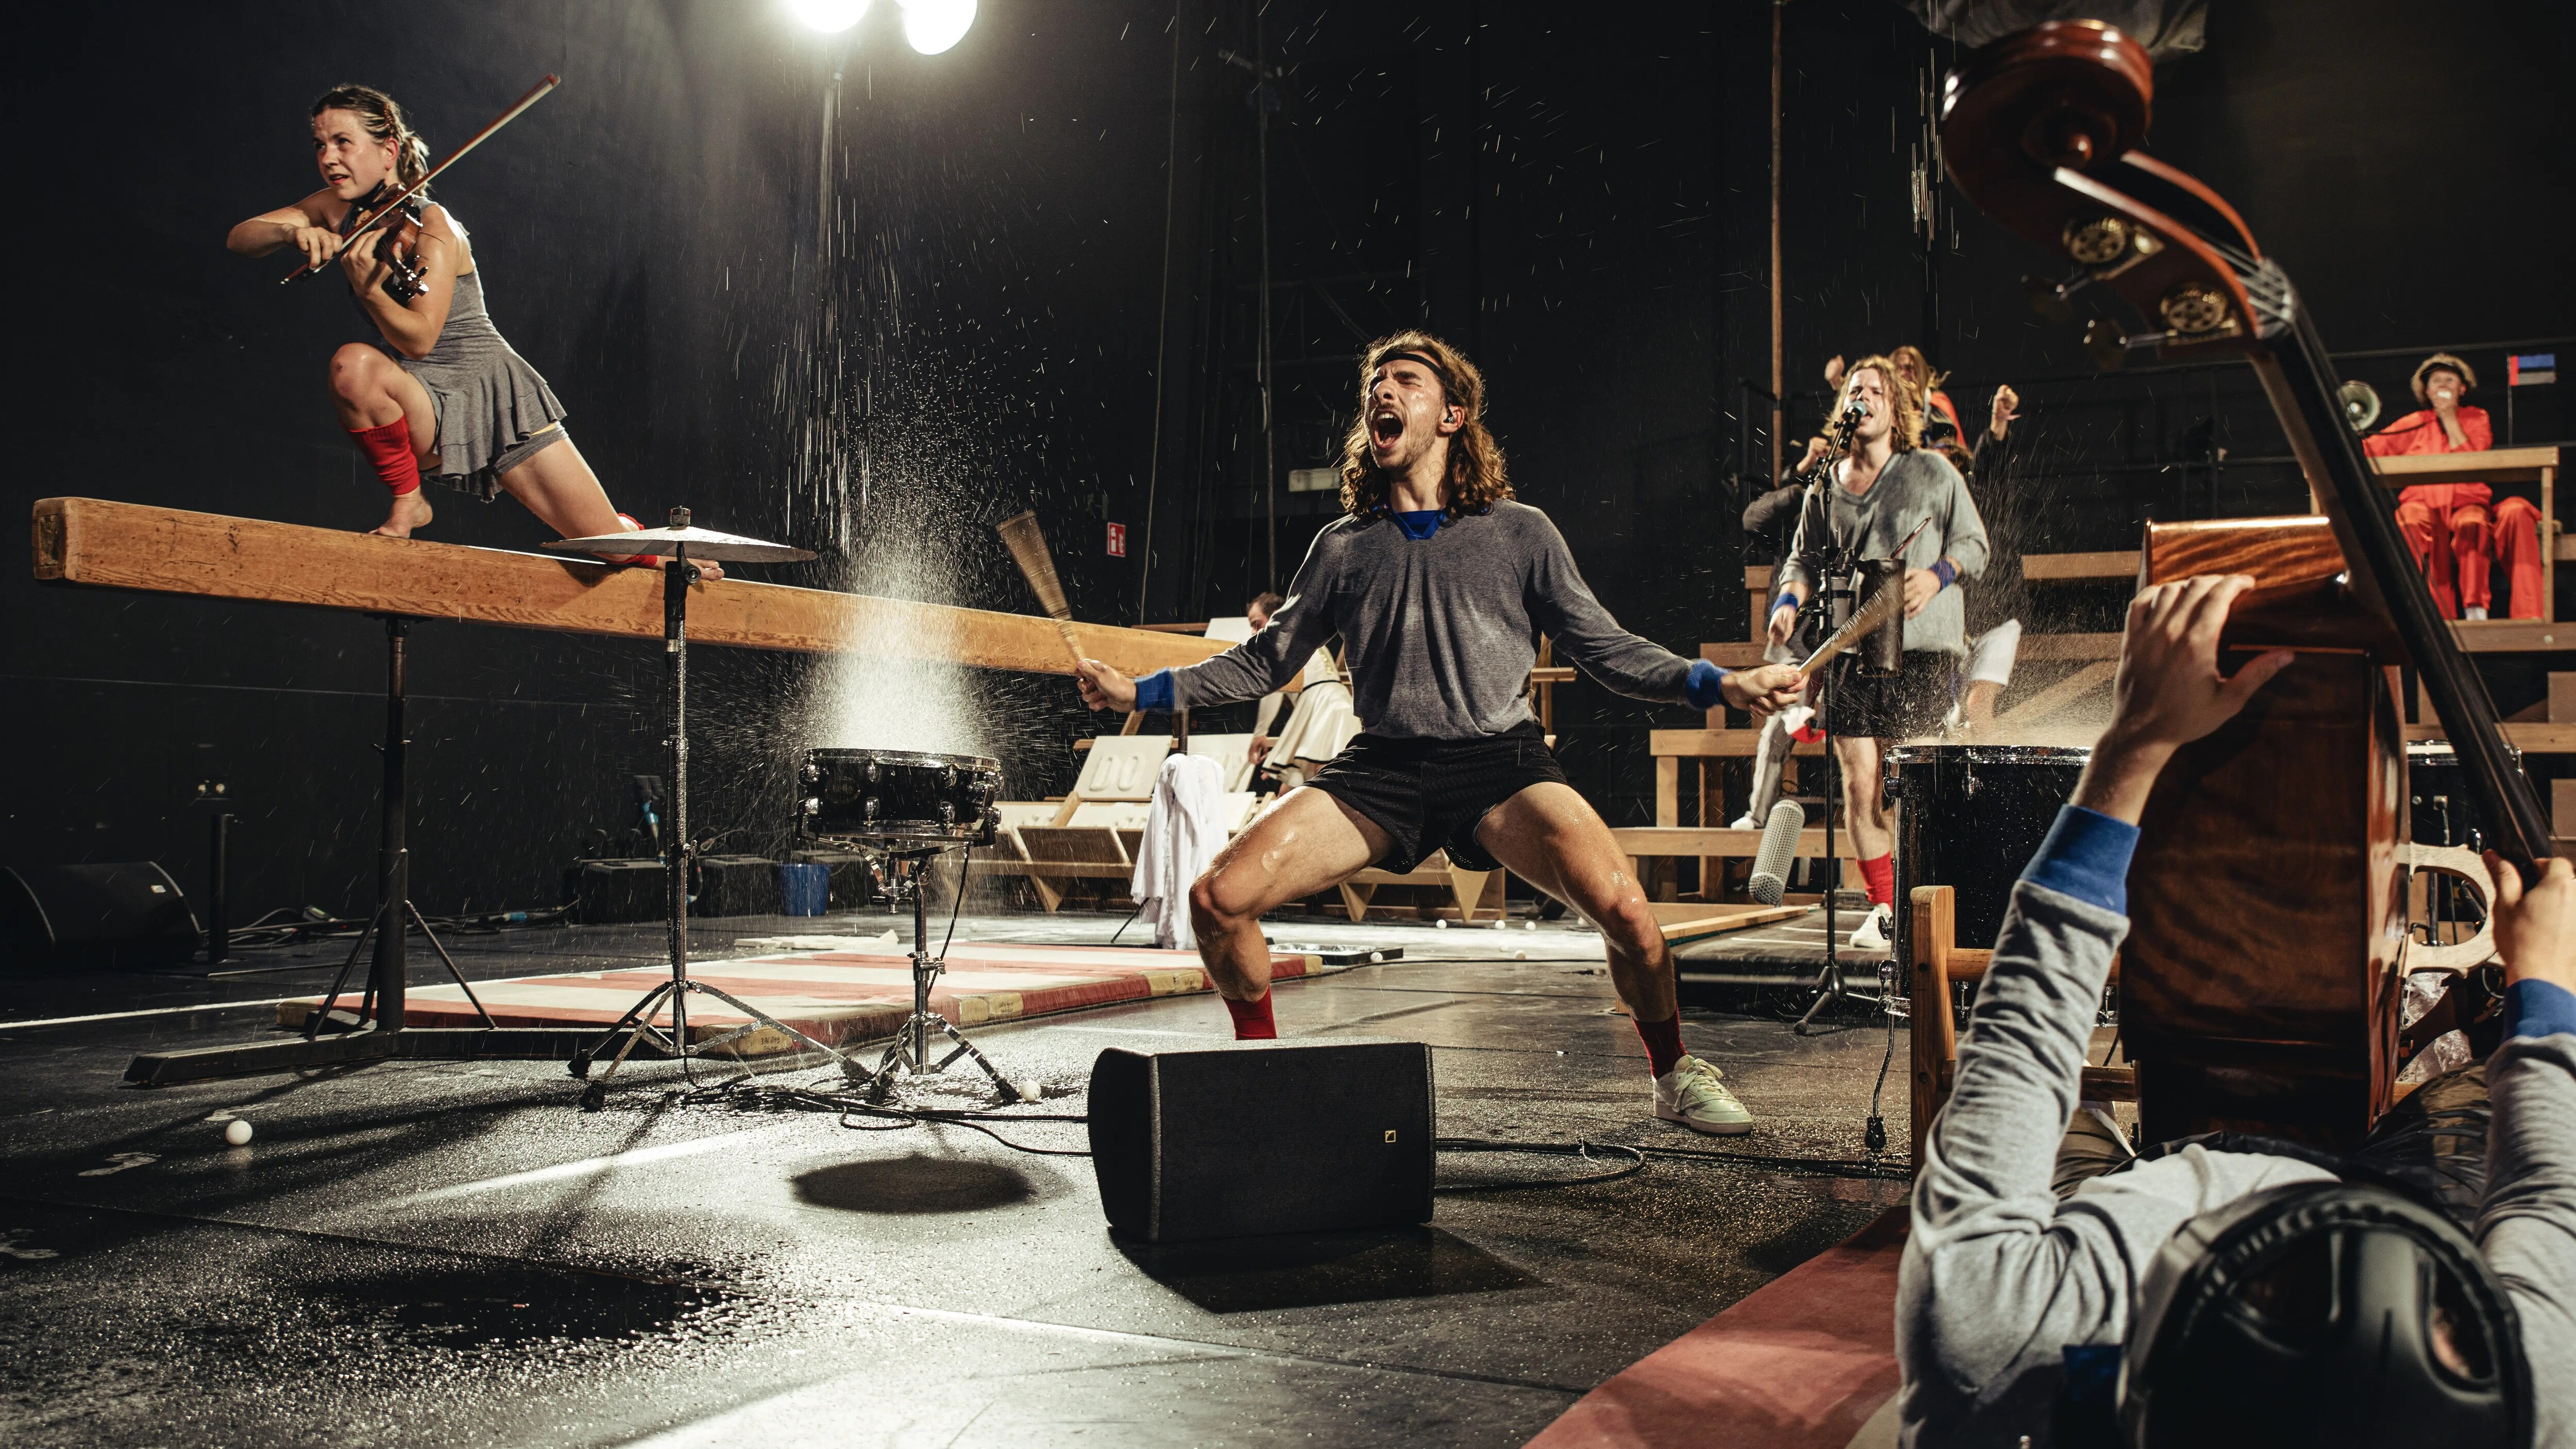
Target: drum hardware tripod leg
[(383, 1032), (677, 574), (313, 1024), (911, 1046)]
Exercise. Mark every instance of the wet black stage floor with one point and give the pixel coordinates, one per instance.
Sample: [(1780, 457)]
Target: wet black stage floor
[(432, 1253)]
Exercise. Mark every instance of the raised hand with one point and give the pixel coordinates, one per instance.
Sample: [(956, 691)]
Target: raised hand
[(2169, 691), (1104, 687), (2535, 927)]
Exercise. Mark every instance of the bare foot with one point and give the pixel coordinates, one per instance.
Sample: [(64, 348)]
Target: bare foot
[(410, 511)]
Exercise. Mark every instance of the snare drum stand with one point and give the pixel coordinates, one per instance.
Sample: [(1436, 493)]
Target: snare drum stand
[(910, 1053)]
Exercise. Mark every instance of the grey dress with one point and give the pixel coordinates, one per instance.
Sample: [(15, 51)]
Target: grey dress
[(494, 411)]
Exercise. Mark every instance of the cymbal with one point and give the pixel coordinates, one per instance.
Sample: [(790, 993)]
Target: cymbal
[(701, 543)]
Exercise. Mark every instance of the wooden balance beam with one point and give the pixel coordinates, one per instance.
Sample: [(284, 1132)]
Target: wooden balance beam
[(172, 551)]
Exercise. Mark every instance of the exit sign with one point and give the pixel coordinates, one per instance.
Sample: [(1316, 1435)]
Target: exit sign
[(1117, 540)]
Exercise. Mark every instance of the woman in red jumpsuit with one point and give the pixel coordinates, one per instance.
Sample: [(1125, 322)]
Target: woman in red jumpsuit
[(2460, 527)]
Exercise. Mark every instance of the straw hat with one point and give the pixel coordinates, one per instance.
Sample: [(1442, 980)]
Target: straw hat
[(2468, 374)]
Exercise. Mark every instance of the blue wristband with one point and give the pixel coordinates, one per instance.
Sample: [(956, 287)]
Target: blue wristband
[(2086, 855), (1786, 597), (1947, 572), (2538, 1008), (1706, 689), (1154, 693)]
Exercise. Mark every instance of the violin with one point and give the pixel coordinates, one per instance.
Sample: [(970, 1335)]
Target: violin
[(2260, 985), (399, 251)]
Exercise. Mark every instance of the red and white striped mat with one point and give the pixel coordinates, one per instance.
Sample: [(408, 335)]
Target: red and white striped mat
[(835, 996)]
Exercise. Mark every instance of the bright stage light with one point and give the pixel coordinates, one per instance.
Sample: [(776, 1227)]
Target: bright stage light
[(828, 16), (934, 25)]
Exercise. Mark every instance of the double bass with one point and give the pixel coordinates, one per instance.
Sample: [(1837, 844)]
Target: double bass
[(2261, 982)]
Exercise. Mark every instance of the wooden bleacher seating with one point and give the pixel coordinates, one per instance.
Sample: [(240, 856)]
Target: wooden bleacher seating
[(1473, 895)]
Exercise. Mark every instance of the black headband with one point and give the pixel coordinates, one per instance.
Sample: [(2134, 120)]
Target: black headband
[(1447, 388)]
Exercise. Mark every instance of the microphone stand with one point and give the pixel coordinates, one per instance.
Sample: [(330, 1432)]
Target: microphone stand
[(1841, 564)]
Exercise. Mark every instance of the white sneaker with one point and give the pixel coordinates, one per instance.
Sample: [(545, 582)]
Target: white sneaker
[(1745, 821), (1692, 1095), (1872, 935), (2474, 612)]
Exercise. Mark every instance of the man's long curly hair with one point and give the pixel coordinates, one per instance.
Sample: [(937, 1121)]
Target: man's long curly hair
[(1904, 404), (1476, 474)]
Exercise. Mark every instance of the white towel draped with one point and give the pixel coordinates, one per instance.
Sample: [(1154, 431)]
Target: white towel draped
[(1184, 829)]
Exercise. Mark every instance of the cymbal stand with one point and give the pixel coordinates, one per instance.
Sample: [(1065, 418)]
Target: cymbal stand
[(910, 1052), (638, 1022)]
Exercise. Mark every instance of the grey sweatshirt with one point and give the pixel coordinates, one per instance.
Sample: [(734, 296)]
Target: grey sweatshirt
[(1912, 487), (1999, 1278), (1439, 633)]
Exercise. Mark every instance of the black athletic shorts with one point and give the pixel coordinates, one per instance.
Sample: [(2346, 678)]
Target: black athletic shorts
[(1912, 701), (1431, 794)]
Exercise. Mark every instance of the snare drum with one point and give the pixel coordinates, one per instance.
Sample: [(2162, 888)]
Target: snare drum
[(898, 797), (1970, 817)]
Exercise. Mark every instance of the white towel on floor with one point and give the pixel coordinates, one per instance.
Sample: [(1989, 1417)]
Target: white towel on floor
[(1184, 829)]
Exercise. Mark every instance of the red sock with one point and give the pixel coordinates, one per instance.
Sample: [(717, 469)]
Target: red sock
[(1251, 1018), (1879, 873), (389, 448), (1663, 1041)]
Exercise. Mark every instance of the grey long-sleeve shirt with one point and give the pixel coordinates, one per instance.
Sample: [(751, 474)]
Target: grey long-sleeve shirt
[(1439, 633), (1999, 1278), (1912, 487)]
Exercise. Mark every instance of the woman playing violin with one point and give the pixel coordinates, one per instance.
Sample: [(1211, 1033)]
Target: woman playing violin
[(443, 395)]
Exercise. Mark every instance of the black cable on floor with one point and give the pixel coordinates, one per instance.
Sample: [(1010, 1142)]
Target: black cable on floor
[(1817, 1166), (774, 1097), (1585, 1150)]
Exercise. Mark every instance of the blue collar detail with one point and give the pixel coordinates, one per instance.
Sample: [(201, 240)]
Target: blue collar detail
[(1419, 525)]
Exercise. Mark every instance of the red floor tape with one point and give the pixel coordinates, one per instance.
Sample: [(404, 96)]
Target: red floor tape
[(1801, 1363)]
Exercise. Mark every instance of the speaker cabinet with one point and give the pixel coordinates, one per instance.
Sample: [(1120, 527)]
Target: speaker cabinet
[(1263, 1137), (613, 892), (128, 914), (736, 885)]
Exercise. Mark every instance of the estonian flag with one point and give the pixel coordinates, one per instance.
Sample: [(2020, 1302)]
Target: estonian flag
[(2529, 371)]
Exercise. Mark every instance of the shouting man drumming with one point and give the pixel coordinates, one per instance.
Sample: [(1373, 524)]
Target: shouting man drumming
[(1439, 586)]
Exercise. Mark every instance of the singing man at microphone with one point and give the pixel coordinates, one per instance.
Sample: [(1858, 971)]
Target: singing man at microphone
[(1874, 501)]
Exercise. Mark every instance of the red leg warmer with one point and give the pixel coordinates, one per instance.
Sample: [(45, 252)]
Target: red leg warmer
[(389, 448)]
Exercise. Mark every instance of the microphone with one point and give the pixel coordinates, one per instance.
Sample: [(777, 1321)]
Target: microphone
[(1779, 848)]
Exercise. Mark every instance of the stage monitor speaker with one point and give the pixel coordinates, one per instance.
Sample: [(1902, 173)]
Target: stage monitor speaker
[(1263, 1137), (616, 892), (128, 914), (736, 885)]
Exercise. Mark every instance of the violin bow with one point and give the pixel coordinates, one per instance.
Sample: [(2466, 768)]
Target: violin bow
[(379, 216)]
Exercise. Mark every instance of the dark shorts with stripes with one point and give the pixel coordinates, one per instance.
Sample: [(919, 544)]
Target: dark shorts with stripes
[(1432, 794)]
